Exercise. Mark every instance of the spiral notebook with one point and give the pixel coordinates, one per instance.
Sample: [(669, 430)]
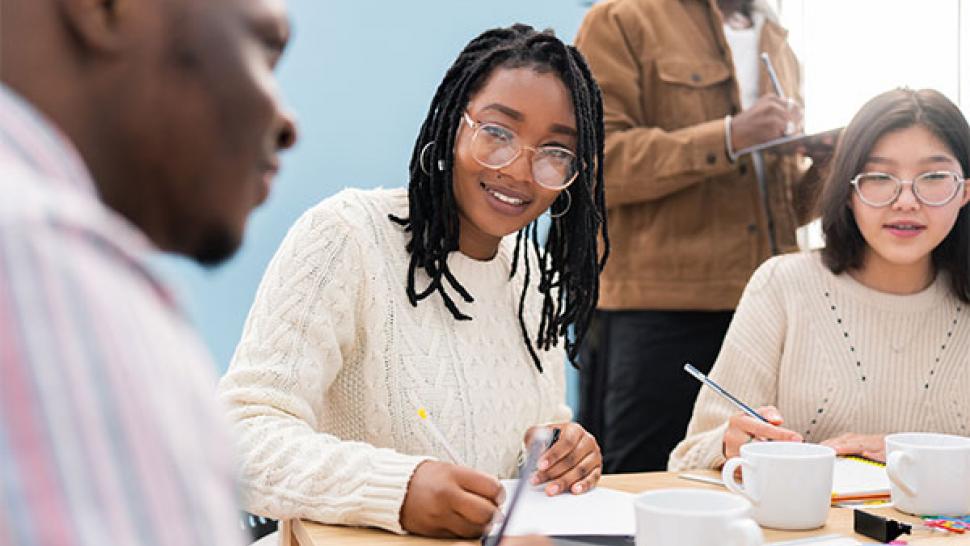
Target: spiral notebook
[(856, 478), (853, 479)]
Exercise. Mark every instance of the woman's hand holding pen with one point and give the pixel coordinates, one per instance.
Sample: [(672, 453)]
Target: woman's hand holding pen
[(573, 463), (743, 428), (870, 446), (447, 500)]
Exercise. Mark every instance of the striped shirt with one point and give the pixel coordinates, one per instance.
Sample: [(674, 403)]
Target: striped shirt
[(109, 430)]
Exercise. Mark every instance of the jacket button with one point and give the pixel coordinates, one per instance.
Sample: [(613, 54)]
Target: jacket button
[(752, 228), (711, 158), (743, 169), (695, 77)]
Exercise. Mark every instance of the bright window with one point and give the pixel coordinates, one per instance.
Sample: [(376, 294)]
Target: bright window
[(852, 50)]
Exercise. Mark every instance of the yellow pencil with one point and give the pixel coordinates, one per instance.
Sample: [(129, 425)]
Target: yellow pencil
[(426, 419)]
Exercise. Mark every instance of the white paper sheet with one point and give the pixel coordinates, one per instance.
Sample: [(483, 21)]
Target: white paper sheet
[(598, 512)]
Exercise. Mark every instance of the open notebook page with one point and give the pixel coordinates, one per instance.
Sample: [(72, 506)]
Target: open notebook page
[(856, 477), (601, 511)]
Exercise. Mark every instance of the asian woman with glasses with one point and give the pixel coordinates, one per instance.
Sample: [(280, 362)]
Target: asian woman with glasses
[(435, 299), (871, 335)]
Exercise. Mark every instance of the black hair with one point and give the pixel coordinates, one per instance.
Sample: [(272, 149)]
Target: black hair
[(845, 247), (569, 265)]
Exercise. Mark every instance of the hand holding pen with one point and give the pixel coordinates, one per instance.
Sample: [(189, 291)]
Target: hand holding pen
[(790, 127), (772, 116), (742, 428), (767, 119), (448, 499), (573, 461), (748, 424)]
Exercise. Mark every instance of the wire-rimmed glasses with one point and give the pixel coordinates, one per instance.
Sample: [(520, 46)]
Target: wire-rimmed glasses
[(935, 188), (495, 147)]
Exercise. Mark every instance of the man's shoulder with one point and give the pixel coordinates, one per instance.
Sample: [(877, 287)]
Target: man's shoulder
[(46, 223), (27, 196), (33, 198)]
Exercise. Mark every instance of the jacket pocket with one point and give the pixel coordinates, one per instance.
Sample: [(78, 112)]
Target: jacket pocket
[(689, 92)]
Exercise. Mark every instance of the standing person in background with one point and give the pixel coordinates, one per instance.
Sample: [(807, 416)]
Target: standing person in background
[(125, 128), (683, 89)]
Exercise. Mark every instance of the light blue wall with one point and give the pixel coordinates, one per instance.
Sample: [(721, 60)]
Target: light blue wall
[(359, 75)]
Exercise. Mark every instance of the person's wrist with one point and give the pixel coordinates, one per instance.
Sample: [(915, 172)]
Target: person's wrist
[(728, 145)]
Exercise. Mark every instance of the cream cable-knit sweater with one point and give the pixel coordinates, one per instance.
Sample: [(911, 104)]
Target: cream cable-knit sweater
[(835, 356), (334, 362)]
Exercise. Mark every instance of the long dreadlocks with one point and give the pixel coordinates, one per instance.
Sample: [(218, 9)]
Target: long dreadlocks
[(568, 266)]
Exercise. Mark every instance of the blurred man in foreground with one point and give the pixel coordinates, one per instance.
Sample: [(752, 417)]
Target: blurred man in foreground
[(126, 127)]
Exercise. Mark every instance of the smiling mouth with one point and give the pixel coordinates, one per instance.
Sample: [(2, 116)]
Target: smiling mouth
[(504, 197), (905, 227)]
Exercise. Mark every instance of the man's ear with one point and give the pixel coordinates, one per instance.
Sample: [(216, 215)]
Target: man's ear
[(97, 23)]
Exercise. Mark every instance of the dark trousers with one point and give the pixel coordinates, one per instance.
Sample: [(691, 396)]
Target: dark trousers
[(635, 396)]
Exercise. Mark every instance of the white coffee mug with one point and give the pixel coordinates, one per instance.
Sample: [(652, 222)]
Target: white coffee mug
[(789, 484), (929, 474), (694, 517)]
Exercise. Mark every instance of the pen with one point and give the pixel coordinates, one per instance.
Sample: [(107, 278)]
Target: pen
[(429, 424), (555, 437), (717, 388), (701, 478), (773, 75)]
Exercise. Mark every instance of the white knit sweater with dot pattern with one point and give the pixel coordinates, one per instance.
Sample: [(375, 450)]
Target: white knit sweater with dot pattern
[(334, 362), (835, 356)]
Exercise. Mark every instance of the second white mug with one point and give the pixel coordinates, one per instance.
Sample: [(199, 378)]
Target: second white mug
[(694, 517), (929, 474), (789, 484)]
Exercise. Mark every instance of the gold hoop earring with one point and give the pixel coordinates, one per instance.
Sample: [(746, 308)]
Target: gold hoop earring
[(569, 199)]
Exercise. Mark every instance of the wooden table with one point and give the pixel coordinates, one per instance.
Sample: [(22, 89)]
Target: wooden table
[(307, 533)]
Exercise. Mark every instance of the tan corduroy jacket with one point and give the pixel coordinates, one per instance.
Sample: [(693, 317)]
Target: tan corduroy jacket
[(687, 226)]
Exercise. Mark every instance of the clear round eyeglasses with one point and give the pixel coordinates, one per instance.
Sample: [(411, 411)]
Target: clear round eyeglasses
[(935, 188), (494, 146)]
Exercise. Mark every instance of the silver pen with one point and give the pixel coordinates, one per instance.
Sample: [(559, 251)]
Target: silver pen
[(773, 76), (727, 396), (701, 478)]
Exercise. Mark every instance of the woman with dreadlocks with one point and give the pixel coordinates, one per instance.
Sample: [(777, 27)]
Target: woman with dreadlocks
[(439, 300)]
